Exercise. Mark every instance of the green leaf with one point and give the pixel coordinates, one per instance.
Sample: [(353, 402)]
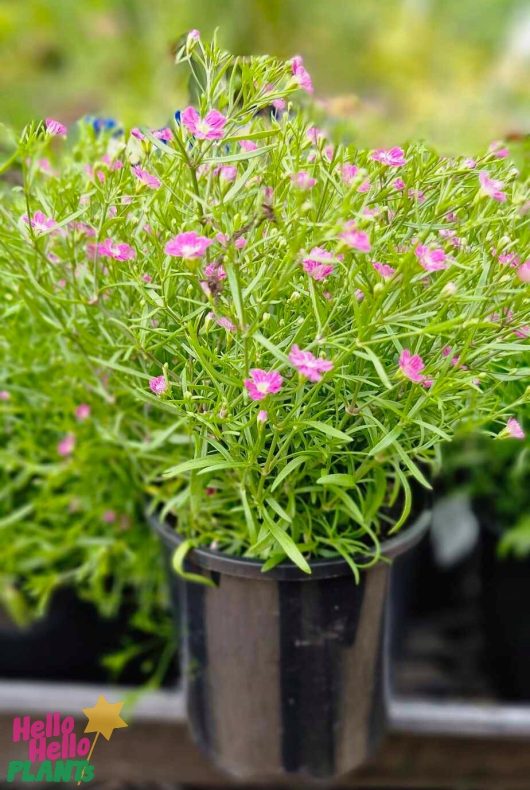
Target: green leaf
[(236, 293), (287, 543), (287, 469), (17, 515), (219, 160), (275, 351), (240, 182), (381, 372), (387, 440), (278, 509), (351, 508), (249, 517), (329, 430), (193, 464), (177, 563), (341, 480), (411, 466)]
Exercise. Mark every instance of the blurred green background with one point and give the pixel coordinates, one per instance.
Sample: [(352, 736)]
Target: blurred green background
[(455, 72)]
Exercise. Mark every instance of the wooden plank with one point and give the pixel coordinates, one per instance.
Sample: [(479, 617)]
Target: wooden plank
[(430, 745)]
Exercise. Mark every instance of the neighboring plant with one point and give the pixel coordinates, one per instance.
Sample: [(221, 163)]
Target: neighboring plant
[(71, 495), (319, 318), (496, 472)]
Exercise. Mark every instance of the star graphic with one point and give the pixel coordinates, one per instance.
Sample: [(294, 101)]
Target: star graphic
[(104, 717)]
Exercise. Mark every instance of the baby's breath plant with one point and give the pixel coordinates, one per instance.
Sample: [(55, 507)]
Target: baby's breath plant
[(495, 470), (317, 318), (71, 499)]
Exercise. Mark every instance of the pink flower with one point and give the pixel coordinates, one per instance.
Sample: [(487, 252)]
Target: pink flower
[(303, 180), (411, 365), (359, 295), (523, 332), (84, 228), (158, 385), (82, 412), (146, 178), (301, 74), (240, 242), (116, 250), (262, 383), (194, 35), (215, 271), (308, 365), (392, 157), (39, 222), (314, 134), (188, 245), (45, 166), (384, 270), (248, 145), (147, 278), (165, 134), (224, 322), (319, 263), (355, 238), (447, 351), (211, 127), (262, 416), (523, 272), (4, 395), (55, 127), (67, 445), (432, 259), (492, 187), (514, 430), (227, 172), (109, 516), (509, 259), (364, 187), (417, 194), (498, 149), (349, 173), (278, 104), (469, 164), (399, 184)]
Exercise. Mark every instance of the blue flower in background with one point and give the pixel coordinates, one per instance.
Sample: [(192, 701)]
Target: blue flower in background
[(105, 125)]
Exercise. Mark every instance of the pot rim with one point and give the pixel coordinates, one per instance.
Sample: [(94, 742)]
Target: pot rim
[(217, 561)]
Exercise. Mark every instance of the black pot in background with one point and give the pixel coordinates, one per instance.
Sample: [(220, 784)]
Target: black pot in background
[(68, 644), (505, 593), (285, 673)]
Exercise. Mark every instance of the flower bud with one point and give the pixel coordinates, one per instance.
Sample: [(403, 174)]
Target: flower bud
[(449, 289)]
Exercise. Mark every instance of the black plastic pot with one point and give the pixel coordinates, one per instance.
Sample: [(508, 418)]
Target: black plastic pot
[(68, 644), (284, 673), (505, 592)]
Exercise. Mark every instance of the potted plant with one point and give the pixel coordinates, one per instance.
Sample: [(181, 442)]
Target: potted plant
[(494, 472), (79, 565), (318, 319)]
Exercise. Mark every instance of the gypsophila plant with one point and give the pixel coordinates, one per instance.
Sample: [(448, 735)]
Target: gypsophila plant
[(320, 318), (495, 470), (71, 498)]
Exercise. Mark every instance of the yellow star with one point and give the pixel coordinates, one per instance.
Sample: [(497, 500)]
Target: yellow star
[(104, 717)]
